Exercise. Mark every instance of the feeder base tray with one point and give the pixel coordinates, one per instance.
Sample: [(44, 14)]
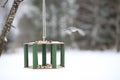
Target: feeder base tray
[(48, 66)]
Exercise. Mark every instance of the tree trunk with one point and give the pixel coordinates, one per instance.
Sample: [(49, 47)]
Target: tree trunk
[(8, 23), (118, 27), (117, 35)]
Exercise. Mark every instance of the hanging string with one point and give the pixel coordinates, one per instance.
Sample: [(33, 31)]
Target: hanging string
[(44, 20)]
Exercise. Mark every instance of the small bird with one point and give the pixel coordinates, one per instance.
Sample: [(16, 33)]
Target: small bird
[(70, 30)]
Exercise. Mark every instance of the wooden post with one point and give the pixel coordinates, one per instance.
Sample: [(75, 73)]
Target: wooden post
[(53, 56), (44, 55), (26, 55), (35, 56), (62, 63)]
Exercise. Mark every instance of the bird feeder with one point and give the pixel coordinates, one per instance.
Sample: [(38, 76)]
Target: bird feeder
[(44, 43)]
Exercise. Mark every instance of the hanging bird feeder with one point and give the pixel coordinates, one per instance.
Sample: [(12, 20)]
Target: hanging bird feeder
[(44, 43)]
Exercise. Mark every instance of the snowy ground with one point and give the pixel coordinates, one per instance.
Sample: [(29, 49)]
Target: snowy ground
[(80, 65)]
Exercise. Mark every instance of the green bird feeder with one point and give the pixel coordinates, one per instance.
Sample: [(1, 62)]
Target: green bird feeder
[(44, 43)]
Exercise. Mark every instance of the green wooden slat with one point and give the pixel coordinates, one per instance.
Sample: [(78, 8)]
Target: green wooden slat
[(62, 55), (26, 55), (51, 53), (44, 55), (35, 56), (54, 48)]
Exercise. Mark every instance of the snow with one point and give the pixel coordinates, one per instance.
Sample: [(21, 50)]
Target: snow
[(79, 65)]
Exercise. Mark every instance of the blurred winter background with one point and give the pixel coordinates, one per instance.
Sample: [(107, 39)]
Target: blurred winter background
[(96, 57), (99, 19)]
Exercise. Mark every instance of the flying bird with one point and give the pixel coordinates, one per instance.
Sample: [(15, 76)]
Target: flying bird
[(70, 30)]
